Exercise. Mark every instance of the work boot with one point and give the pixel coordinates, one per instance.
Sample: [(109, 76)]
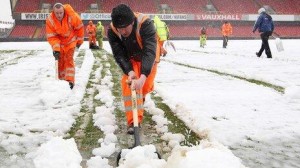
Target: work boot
[(130, 129), (257, 54), (71, 85), (269, 55)]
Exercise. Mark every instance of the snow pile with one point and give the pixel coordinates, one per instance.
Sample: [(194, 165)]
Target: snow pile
[(173, 139), (97, 162), (58, 153), (207, 154), (104, 118), (54, 91), (157, 115), (141, 157)]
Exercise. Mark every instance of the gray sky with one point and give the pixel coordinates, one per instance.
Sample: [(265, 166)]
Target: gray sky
[(5, 14)]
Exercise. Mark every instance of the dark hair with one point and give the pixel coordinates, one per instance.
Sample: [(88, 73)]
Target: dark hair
[(122, 16)]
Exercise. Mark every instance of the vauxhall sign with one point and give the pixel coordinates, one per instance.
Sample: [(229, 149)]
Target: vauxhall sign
[(217, 17)]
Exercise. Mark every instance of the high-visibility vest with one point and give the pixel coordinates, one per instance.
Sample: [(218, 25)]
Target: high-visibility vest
[(162, 30), (140, 20)]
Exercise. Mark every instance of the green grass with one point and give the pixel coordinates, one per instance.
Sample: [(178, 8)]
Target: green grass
[(177, 126), (7, 51), (91, 134), (279, 89)]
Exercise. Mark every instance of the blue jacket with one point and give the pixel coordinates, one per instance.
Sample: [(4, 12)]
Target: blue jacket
[(264, 23)]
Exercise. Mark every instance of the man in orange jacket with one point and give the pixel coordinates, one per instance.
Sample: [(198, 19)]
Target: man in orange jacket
[(132, 37), (64, 31), (91, 31), (226, 31)]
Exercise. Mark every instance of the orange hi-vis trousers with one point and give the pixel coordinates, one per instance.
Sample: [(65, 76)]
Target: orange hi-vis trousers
[(92, 38), (147, 88), (66, 66)]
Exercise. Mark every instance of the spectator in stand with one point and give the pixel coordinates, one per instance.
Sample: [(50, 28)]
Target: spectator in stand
[(132, 37), (91, 31), (100, 34), (226, 31), (265, 27), (64, 31), (203, 37)]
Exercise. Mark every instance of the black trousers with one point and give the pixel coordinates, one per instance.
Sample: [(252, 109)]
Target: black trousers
[(265, 44), (225, 41)]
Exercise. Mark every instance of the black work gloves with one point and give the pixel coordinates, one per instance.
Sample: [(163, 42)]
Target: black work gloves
[(56, 55), (77, 46)]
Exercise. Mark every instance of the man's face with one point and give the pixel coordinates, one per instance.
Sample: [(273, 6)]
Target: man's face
[(59, 13), (126, 31)]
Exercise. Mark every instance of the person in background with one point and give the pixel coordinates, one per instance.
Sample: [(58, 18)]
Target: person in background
[(203, 37), (91, 31), (132, 37), (64, 32), (265, 26), (163, 34), (226, 32), (100, 34)]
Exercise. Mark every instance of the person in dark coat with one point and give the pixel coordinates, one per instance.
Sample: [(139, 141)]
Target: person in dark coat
[(265, 27), (132, 37)]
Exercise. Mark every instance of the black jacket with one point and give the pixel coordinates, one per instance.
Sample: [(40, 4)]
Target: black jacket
[(128, 48)]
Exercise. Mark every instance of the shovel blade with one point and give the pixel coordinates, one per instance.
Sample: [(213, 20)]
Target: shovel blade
[(279, 44)]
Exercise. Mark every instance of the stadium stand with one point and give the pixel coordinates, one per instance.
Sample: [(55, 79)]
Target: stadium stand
[(42, 33), (281, 7), (23, 31), (289, 31), (25, 6), (235, 6), (79, 5), (181, 6), (147, 6), (180, 29)]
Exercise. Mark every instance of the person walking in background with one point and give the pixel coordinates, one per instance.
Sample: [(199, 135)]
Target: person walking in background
[(132, 37), (265, 26), (100, 34), (64, 32), (226, 31), (163, 34), (91, 31), (203, 37)]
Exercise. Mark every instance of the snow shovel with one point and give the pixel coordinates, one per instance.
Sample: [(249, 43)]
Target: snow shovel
[(56, 68), (136, 129), (136, 133), (170, 43), (278, 43)]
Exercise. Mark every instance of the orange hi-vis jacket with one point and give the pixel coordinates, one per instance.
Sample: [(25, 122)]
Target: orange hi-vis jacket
[(91, 31), (226, 29), (66, 33), (63, 36), (136, 65)]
